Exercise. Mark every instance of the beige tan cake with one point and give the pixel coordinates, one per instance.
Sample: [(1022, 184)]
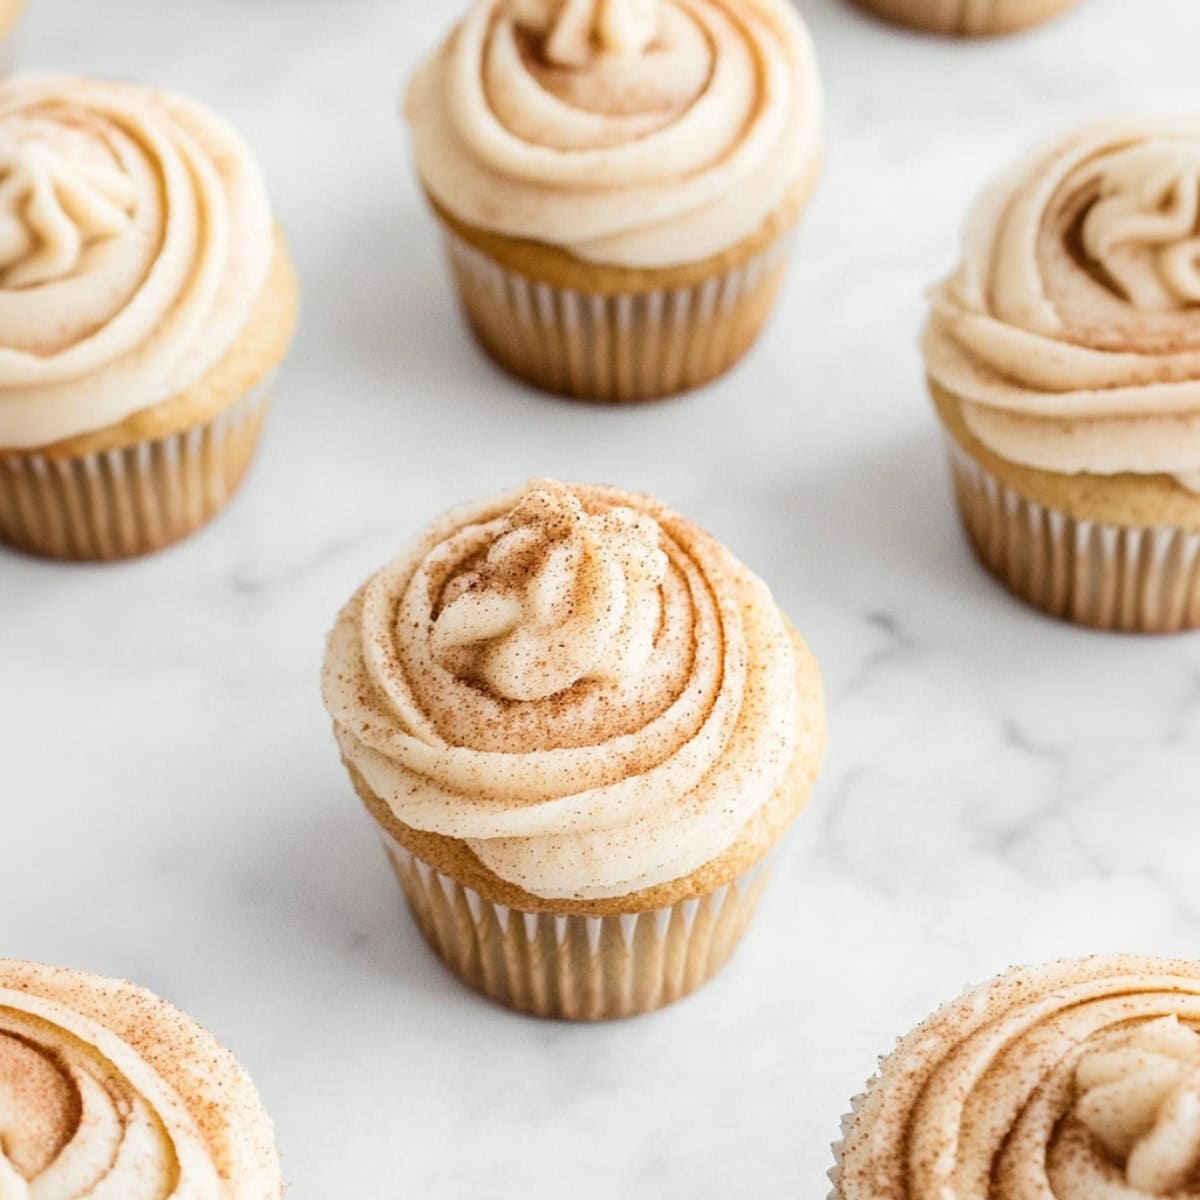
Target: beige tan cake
[(968, 18), (581, 726), (109, 1093), (1064, 360), (146, 297), (618, 181), (1076, 1081)]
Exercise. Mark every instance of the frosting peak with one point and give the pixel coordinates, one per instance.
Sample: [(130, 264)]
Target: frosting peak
[(560, 597), (634, 133), (1141, 1102), (572, 30), (55, 205), (135, 238), (1074, 1081), (1070, 335), (1144, 230), (585, 688)]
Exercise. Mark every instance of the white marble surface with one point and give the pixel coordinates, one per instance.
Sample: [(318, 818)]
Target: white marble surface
[(999, 788)]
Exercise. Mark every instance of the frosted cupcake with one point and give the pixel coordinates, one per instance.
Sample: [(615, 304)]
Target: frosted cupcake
[(581, 726), (1077, 1081), (968, 17), (1064, 359), (109, 1091), (618, 181), (145, 300)]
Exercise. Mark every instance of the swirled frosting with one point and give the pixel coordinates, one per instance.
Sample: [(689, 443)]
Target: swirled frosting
[(106, 1091), (1078, 1081), (135, 236), (634, 133), (1071, 332), (572, 32), (586, 688)]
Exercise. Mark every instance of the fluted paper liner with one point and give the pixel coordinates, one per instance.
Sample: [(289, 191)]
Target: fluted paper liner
[(122, 503), (1131, 579), (627, 347), (576, 967), (968, 18)]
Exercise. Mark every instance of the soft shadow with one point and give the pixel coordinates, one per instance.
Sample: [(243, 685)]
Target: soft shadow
[(325, 884), (883, 516)]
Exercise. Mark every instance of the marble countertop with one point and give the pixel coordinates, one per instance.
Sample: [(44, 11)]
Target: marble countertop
[(1000, 788)]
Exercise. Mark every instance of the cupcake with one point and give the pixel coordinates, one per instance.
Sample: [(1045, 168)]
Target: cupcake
[(145, 300), (1064, 360), (109, 1091), (581, 727), (618, 181), (1077, 1081), (968, 18)]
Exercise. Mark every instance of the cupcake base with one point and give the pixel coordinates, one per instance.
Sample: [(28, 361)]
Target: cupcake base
[(616, 334), (967, 18), (597, 959), (569, 966), (129, 501), (1123, 578), (630, 346)]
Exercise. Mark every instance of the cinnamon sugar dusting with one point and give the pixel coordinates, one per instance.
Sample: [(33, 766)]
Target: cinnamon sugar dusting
[(560, 597), (1076, 1081), (579, 683), (633, 133), (1071, 332), (39, 1105), (1139, 1098), (103, 316), (104, 1089)]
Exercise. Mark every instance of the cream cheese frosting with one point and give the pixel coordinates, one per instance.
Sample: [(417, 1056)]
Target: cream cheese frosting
[(86, 1112), (135, 236), (583, 686), (633, 133), (1077, 1081), (1071, 332)]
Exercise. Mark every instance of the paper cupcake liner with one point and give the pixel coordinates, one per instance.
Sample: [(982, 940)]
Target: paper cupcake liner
[(969, 18), (1130, 579), (122, 503), (625, 347), (570, 966)]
